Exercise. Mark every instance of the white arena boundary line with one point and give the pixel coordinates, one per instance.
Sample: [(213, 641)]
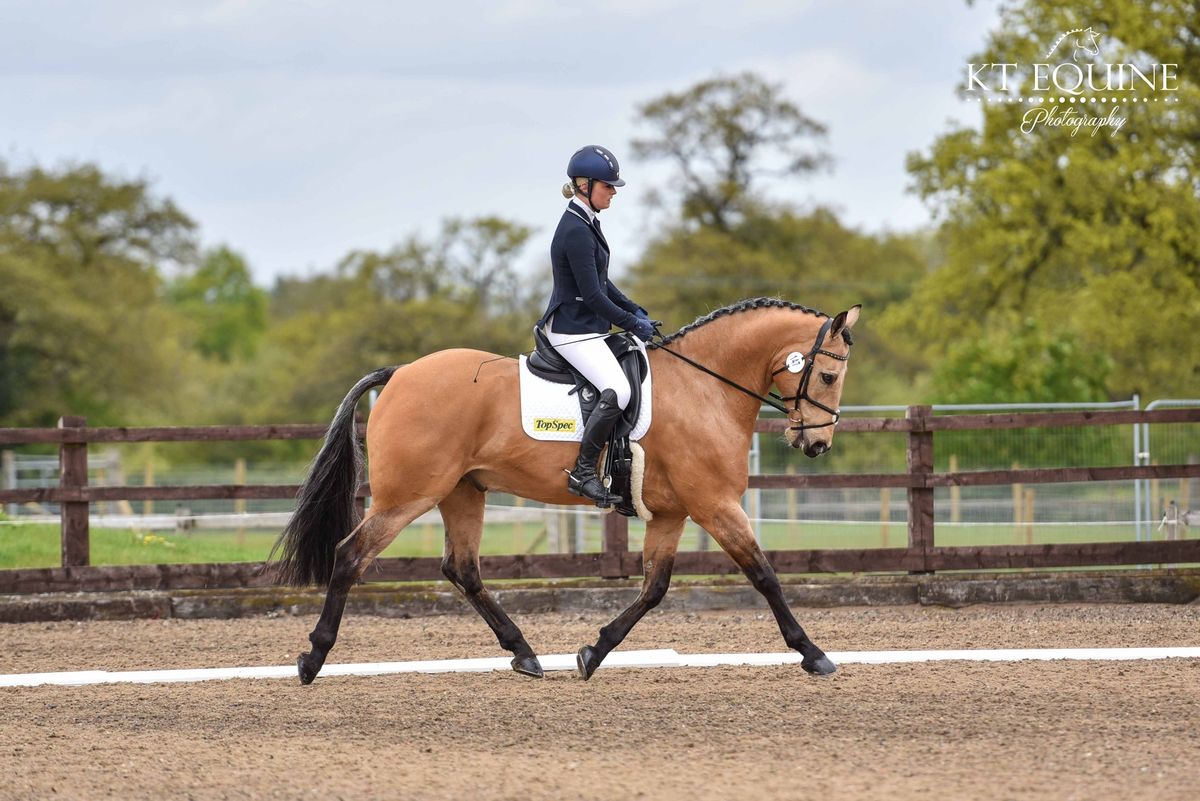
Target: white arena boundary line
[(618, 659)]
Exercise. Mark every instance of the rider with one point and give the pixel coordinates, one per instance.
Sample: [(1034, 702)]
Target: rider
[(585, 304)]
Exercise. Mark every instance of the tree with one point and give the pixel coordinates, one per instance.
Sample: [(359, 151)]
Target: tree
[(727, 241), (1097, 236), (724, 133), (811, 259), (1025, 363), (82, 326), (472, 261), (221, 301), (458, 289), (480, 253), (1021, 365)]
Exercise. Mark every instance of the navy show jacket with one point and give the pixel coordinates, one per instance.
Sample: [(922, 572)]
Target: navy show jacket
[(583, 300)]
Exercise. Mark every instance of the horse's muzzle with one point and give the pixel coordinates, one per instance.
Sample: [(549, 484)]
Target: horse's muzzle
[(815, 449)]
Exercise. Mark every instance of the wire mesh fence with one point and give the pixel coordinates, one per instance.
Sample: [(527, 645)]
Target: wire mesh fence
[(782, 519), (987, 515)]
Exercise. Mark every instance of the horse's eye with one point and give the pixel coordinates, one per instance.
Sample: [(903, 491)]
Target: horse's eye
[(828, 378)]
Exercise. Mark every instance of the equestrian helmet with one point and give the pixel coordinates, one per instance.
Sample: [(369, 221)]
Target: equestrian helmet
[(597, 163)]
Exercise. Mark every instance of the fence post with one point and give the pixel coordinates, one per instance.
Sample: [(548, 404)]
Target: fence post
[(885, 514), (955, 493), (1018, 502), (8, 466), (1027, 514), (239, 504), (72, 475), (1185, 487), (148, 481), (616, 541), (920, 498)]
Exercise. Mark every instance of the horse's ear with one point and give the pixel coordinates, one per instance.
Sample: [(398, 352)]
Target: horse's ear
[(845, 319)]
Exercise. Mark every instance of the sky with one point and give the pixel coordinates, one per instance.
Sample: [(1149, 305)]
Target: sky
[(295, 132)]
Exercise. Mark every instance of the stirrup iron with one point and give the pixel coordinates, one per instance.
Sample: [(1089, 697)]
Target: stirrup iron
[(585, 487)]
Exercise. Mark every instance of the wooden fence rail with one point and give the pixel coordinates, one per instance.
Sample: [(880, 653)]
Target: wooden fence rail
[(921, 553)]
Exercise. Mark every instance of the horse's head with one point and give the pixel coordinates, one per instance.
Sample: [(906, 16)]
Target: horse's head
[(1089, 43), (810, 375)]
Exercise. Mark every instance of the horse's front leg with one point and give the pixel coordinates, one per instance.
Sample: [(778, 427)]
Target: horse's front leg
[(730, 527), (658, 557)]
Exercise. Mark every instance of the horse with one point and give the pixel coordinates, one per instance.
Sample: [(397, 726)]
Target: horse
[(446, 430)]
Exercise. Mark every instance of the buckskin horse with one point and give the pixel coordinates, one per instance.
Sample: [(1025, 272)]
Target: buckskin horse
[(446, 430)]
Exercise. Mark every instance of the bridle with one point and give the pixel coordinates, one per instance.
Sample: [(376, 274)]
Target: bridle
[(801, 393)]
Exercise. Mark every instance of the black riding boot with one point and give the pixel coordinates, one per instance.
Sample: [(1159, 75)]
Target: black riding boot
[(582, 480)]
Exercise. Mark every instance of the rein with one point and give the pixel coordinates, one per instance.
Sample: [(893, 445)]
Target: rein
[(774, 400)]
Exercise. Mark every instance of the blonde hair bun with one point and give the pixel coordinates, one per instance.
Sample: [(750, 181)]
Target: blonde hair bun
[(568, 190)]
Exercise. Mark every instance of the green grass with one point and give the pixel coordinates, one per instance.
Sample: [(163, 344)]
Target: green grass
[(38, 545)]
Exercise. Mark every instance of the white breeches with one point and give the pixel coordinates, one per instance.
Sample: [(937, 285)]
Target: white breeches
[(590, 356)]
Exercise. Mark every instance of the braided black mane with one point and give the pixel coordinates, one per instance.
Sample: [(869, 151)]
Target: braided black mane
[(734, 308)]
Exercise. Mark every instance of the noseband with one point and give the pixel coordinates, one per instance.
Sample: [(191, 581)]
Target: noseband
[(801, 393), (805, 377)]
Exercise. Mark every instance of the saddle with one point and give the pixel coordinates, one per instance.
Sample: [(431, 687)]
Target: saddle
[(616, 471)]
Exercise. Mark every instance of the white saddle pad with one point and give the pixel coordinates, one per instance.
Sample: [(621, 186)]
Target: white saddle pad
[(549, 413)]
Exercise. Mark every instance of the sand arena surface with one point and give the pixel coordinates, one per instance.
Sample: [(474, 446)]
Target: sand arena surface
[(1078, 730)]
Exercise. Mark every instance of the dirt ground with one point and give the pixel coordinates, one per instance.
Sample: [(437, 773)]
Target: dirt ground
[(958, 730)]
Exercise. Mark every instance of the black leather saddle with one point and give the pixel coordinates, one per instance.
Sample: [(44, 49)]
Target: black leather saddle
[(617, 470), (545, 362)]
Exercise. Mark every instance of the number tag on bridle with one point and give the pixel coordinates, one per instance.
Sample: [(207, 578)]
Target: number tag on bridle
[(795, 362)]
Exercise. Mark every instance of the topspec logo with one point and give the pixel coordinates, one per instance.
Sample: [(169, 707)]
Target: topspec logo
[(554, 425), (1073, 86)]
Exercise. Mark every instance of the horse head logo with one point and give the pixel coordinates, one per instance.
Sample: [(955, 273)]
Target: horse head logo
[(1086, 43)]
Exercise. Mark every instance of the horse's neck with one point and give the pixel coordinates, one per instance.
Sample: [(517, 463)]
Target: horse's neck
[(738, 352), (740, 348)]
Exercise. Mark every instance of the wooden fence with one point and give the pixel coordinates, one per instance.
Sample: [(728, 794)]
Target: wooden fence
[(921, 554)]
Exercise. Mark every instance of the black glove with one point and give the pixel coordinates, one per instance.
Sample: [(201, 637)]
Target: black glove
[(642, 329)]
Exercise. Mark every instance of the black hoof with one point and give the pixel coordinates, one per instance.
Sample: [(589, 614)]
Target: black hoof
[(821, 666), (586, 662), (528, 666), (308, 667)]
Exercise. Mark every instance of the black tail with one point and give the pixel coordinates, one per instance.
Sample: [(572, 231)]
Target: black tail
[(325, 508)]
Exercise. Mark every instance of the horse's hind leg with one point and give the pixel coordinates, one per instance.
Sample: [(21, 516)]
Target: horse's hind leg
[(730, 527), (462, 512), (658, 558), (351, 558)]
